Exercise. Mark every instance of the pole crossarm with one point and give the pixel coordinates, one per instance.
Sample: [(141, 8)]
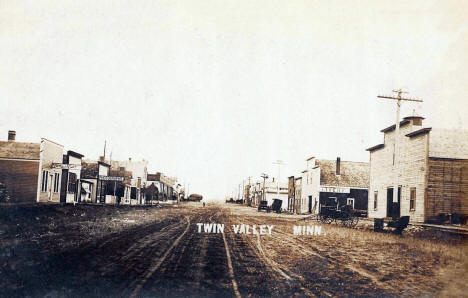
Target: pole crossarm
[(402, 98)]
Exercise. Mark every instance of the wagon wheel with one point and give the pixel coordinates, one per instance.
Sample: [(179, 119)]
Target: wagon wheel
[(353, 221), (325, 218), (345, 220)]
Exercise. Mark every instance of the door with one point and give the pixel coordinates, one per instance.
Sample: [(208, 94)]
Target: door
[(310, 204), (64, 186), (393, 210), (49, 191)]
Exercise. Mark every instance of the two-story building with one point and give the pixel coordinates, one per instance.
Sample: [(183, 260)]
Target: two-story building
[(274, 190), (70, 189), (139, 170), (432, 172), (294, 194)]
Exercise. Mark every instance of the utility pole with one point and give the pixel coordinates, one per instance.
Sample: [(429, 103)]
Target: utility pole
[(243, 191), (396, 150), (248, 193), (105, 141), (279, 163), (264, 176)]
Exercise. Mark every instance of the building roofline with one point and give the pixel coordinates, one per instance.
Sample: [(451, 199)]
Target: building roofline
[(342, 161), (19, 158), (75, 154), (52, 142), (413, 117), (310, 158), (419, 132), (104, 164), (446, 158), (392, 127), (376, 147)]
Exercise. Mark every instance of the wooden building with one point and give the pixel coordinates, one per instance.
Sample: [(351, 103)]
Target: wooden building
[(92, 173), (29, 171), (432, 172), (71, 174), (334, 183)]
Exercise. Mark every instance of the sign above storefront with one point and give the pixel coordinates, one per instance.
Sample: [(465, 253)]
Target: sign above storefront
[(335, 189), (64, 166), (111, 178)]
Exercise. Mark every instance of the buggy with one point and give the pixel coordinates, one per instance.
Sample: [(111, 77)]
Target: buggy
[(344, 215), (263, 206), (276, 206)]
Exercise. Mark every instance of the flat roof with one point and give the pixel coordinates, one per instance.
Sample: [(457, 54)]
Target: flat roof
[(75, 154)]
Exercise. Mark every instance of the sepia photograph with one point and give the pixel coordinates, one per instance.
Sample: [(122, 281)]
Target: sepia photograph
[(233, 148)]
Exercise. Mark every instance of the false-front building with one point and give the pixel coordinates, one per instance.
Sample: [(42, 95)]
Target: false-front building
[(432, 173), (333, 183)]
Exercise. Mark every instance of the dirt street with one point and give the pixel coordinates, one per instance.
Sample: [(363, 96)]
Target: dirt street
[(84, 251)]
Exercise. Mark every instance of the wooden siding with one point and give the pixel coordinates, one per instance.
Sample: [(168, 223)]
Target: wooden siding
[(20, 178), (447, 187), (411, 173), (19, 150)]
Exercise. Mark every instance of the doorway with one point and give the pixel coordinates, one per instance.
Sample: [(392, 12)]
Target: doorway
[(393, 210)]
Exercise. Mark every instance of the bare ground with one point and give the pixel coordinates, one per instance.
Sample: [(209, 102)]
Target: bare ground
[(106, 251)]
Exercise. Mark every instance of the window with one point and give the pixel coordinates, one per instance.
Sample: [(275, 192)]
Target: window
[(56, 182), (376, 194), (412, 202), (350, 201), (71, 182), (45, 180)]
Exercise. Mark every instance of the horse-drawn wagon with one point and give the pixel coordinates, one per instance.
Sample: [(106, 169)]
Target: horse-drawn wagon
[(343, 215)]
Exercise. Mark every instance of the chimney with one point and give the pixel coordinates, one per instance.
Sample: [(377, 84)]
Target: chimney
[(338, 165), (11, 136), (129, 159), (101, 158)]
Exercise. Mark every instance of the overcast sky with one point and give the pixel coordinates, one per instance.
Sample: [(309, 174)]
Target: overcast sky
[(215, 91)]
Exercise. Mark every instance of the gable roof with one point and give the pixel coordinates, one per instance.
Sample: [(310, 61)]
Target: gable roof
[(352, 174), (19, 150)]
